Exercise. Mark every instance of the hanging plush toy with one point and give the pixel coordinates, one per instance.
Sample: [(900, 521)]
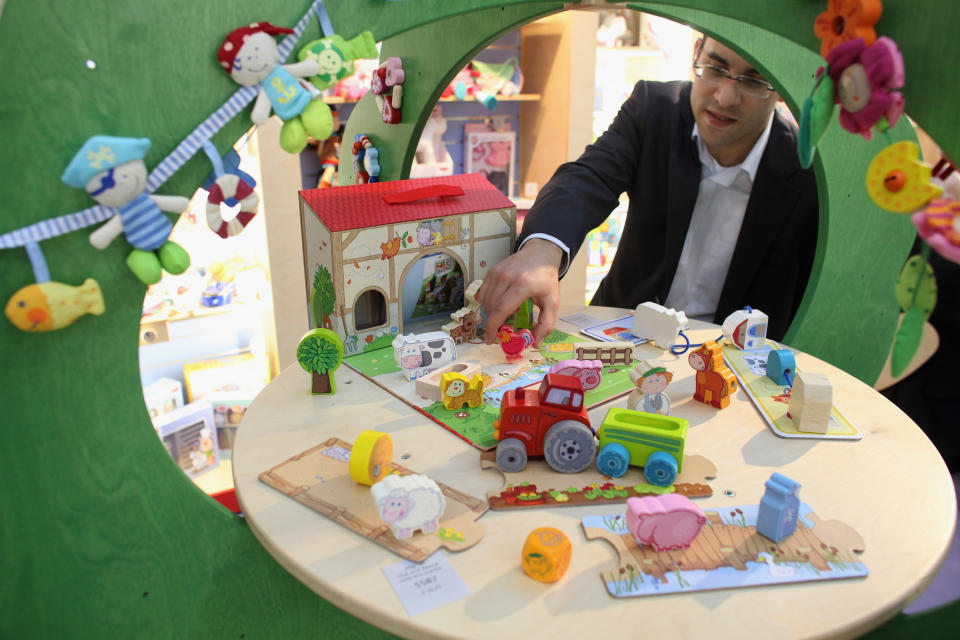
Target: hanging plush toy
[(48, 306), (251, 56), (112, 171), (864, 78), (334, 56)]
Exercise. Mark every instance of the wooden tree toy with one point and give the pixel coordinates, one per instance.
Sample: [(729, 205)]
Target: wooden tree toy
[(715, 382), (320, 352), (810, 402), (546, 554)]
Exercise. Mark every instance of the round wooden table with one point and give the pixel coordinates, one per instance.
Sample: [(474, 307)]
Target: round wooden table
[(892, 487)]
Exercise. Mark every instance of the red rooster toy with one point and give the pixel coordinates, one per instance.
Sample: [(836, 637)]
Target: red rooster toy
[(513, 343)]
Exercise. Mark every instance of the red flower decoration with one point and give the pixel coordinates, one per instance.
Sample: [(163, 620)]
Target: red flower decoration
[(846, 20)]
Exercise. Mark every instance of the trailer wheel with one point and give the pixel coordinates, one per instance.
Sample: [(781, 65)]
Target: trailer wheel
[(613, 459), (569, 446), (511, 455), (661, 469)]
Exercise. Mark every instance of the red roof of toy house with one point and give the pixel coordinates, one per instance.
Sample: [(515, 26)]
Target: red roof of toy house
[(361, 205)]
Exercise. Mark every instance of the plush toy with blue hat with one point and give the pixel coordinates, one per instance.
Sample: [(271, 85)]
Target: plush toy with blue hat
[(112, 171)]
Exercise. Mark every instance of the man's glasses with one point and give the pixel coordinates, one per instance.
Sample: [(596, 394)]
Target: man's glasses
[(747, 85)]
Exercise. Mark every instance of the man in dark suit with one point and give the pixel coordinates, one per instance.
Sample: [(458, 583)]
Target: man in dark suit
[(721, 215)]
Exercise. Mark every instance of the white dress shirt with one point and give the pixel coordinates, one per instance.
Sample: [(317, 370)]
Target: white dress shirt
[(714, 229), (713, 232)]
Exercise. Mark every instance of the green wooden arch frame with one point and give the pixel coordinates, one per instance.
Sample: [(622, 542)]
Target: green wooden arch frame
[(103, 534)]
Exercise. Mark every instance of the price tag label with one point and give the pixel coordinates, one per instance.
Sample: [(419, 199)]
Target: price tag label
[(427, 585)]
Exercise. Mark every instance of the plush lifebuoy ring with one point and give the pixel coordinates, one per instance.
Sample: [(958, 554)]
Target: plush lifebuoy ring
[(231, 189)]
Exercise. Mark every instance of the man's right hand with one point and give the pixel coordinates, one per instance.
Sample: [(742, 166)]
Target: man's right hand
[(532, 272)]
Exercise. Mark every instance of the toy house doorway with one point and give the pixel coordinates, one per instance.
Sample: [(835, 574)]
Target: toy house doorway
[(431, 288)]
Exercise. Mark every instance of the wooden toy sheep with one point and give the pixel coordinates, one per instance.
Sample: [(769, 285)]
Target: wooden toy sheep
[(408, 503)]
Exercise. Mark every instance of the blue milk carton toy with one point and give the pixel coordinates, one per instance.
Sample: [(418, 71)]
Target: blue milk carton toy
[(779, 508)]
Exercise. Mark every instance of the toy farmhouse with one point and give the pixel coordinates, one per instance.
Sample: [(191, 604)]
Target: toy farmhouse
[(377, 254)]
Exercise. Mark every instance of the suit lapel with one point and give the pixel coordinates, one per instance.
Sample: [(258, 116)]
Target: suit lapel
[(772, 201)]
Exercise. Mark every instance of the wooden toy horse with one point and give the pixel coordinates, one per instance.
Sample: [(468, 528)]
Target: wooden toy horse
[(715, 381)]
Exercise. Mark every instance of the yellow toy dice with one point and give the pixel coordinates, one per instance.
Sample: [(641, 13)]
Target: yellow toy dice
[(546, 554)]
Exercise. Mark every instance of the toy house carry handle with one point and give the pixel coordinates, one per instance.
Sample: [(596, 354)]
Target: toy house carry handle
[(422, 193)]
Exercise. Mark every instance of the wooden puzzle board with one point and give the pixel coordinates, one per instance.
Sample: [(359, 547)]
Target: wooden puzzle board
[(475, 425), (539, 485), (728, 553), (773, 400), (320, 478)]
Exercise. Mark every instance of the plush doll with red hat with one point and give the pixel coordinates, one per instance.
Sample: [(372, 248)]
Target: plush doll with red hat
[(251, 56)]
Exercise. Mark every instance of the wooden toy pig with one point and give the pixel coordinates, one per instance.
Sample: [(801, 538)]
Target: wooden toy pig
[(666, 522)]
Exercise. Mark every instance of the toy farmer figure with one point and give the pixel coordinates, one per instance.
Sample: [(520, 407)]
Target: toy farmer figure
[(112, 171)]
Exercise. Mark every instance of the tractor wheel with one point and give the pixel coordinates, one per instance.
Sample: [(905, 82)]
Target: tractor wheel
[(613, 459), (661, 469), (569, 446), (511, 455)]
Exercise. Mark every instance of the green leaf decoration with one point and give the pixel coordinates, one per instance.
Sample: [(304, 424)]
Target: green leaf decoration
[(917, 286), (907, 340)]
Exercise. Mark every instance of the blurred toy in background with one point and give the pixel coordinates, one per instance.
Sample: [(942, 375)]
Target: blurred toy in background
[(864, 81), (715, 382), (251, 56), (48, 306), (432, 157), (387, 85), (335, 57), (366, 160), (649, 395), (353, 87), (328, 152), (112, 171)]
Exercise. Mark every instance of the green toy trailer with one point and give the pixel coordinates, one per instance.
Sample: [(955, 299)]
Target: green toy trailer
[(646, 440)]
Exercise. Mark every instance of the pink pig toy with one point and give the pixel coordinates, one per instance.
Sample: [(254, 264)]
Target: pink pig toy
[(665, 522), (589, 371)]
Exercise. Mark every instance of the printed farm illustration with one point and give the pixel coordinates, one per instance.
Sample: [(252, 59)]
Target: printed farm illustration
[(729, 553), (475, 424)]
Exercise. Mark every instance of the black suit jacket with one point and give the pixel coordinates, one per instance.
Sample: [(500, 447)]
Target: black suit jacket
[(649, 152)]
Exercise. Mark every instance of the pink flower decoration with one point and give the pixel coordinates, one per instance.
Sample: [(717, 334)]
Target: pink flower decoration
[(864, 78), (939, 225), (394, 67)]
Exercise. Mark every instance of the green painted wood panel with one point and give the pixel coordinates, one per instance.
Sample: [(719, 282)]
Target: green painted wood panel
[(102, 534)]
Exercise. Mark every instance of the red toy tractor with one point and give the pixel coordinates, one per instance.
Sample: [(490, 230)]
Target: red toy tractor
[(551, 422)]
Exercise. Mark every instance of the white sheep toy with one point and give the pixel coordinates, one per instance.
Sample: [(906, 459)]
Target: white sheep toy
[(408, 503)]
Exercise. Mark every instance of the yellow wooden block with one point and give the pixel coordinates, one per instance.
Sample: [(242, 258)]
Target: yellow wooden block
[(370, 457), (546, 554)]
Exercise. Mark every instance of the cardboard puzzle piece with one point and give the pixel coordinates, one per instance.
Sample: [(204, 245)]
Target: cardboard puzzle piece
[(773, 400), (817, 550), (320, 478), (539, 485)]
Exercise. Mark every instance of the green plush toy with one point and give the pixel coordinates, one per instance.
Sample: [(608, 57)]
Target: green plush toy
[(335, 57)]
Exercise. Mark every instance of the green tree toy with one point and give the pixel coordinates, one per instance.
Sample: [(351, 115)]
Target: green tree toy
[(322, 298), (320, 352)]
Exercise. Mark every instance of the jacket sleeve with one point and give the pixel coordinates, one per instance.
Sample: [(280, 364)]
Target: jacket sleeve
[(581, 194)]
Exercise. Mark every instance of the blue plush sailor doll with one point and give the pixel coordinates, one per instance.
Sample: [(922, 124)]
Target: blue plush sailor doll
[(112, 171)]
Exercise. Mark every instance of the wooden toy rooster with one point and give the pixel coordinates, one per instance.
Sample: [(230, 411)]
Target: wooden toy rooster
[(514, 342)]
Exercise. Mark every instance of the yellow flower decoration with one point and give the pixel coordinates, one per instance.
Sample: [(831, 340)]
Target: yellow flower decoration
[(897, 181)]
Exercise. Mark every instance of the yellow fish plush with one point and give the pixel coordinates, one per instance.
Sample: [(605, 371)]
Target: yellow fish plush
[(53, 305)]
